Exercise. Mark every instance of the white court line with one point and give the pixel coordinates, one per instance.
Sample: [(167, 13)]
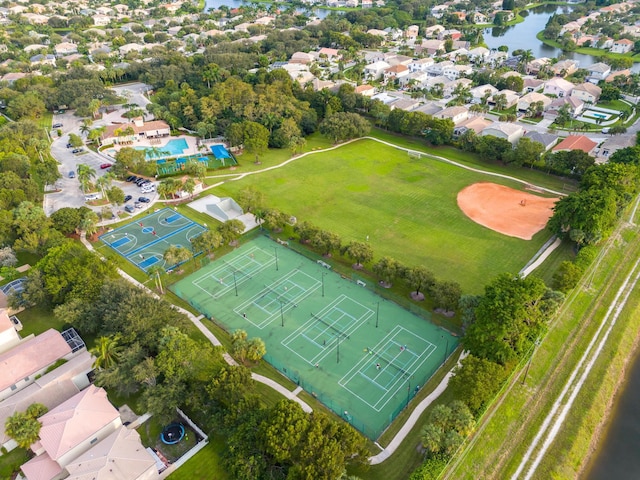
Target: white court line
[(399, 383), (371, 380)]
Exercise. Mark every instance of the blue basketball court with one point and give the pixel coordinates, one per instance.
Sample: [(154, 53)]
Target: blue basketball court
[(145, 241)]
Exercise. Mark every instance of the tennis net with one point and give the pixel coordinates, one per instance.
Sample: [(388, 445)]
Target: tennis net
[(329, 325)]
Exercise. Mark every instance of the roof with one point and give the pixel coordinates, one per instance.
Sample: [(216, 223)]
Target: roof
[(75, 420), (41, 467), (120, 456), (5, 321), (599, 67), (50, 390), (624, 41), (31, 356), (506, 128), (545, 139), (477, 124), (576, 142), (560, 83), (589, 88), (532, 97), (396, 69), (451, 112), (109, 131), (363, 88)]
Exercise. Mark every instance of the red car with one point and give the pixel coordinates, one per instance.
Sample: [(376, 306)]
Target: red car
[(105, 165)]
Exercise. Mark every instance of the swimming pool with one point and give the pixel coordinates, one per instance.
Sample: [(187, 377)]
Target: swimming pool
[(598, 115), (175, 147)]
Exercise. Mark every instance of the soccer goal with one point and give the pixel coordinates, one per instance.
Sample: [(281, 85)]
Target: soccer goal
[(414, 154)]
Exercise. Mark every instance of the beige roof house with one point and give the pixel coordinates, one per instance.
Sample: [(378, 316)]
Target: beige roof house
[(120, 456), (587, 92), (50, 390), (153, 129), (509, 131), (74, 426), (526, 100), (301, 57), (19, 365)]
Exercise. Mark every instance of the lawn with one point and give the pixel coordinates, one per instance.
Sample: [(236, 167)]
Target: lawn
[(37, 320), (205, 464), (10, 462), (405, 206)]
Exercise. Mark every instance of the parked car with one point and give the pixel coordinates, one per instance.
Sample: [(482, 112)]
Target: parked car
[(131, 178), (148, 189), (56, 125), (76, 150), (105, 165), (72, 174), (127, 198), (138, 205), (69, 145), (139, 181), (144, 199), (129, 208)]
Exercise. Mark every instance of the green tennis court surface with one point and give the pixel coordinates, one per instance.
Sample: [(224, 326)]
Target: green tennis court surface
[(144, 241), (362, 356)]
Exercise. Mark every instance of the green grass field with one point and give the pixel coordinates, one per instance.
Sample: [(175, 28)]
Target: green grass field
[(406, 206)]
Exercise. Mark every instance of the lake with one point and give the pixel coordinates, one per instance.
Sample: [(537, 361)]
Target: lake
[(523, 36), (214, 4)]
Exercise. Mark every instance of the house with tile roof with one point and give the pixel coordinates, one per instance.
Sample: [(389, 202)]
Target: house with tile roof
[(587, 92), (576, 142), (70, 430), (30, 358), (9, 336), (526, 100), (509, 131), (129, 132), (558, 86), (120, 456)]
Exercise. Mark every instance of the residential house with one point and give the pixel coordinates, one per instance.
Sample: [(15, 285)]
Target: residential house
[(433, 31), (511, 98), (394, 59), (576, 142), (429, 108), (130, 132), (437, 69), (574, 105), (622, 46), (547, 140), (365, 90), (564, 67), (450, 87), (378, 33), (29, 359), (612, 144), (70, 430), (526, 100), (598, 71), (558, 86), (65, 48), (618, 73), (301, 58), (587, 92), (452, 33), (406, 104), (120, 456), (432, 47), (457, 114), (9, 336), (375, 70), (478, 54), (478, 18), (330, 53), (366, 3), (36, 18), (395, 72), (101, 20), (411, 32), (509, 131), (439, 10), (418, 79), (477, 124), (51, 389), (532, 85), (420, 65), (43, 59), (12, 77), (481, 93), (454, 72)]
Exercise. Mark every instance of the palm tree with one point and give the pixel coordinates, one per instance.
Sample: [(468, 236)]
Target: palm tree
[(525, 57), (85, 174), (189, 186), (94, 107), (155, 273), (104, 182), (176, 255), (89, 223), (85, 126), (107, 352)]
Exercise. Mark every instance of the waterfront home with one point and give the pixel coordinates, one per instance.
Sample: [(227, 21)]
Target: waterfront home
[(574, 104), (564, 67), (622, 46), (433, 31), (598, 71), (587, 92), (558, 86)]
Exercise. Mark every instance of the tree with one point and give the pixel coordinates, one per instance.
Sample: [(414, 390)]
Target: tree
[(251, 199), (567, 276), (246, 350), (476, 381), (24, 427), (75, 140), (419, 277), (387, 269), (445, 295), (107, 352), (206, 242), (326, 242), (156, 271), (609, 92), (359, 252), (255, 139), (628, 155), (85, 175), (448, 426), (274, 219), (500, 101), (526, 151), (176, 255), (66, 220), (512, 313), (231, 230), (343, 126)]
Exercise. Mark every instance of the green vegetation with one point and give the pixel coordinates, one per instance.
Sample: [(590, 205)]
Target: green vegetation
[(406, 206), (206, 464), (594, 52), (10, 462), (36, 320)]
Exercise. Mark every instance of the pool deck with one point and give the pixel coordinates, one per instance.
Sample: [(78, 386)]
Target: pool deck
[(192, 148)]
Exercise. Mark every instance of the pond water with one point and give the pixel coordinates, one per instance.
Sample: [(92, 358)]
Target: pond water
[(214, 4), (523, 36)]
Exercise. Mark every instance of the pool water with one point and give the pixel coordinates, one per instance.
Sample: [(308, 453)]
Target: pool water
[(177, 146)]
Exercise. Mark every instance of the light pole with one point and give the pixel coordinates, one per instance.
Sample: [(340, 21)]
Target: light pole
[(235, 285), (323, 274), (338, 348), (408, 390), (275, 250), (377, 313), (281, 314)]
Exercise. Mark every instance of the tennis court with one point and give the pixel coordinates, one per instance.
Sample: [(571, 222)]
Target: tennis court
[(362, 356), (145, 241)]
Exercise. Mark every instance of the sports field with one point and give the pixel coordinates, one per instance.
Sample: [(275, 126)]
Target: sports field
[(144, 241), (406, 206), (362, 356)]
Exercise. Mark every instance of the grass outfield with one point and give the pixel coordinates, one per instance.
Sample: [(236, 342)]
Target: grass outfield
[(406, 206)]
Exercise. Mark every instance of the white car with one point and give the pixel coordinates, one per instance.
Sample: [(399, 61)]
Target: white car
[(148, 189)]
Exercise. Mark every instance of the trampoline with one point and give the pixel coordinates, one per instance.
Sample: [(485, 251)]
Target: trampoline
[(172, 433)]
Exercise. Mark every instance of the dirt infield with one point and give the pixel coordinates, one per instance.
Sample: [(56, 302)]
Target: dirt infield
[(505, 210)]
